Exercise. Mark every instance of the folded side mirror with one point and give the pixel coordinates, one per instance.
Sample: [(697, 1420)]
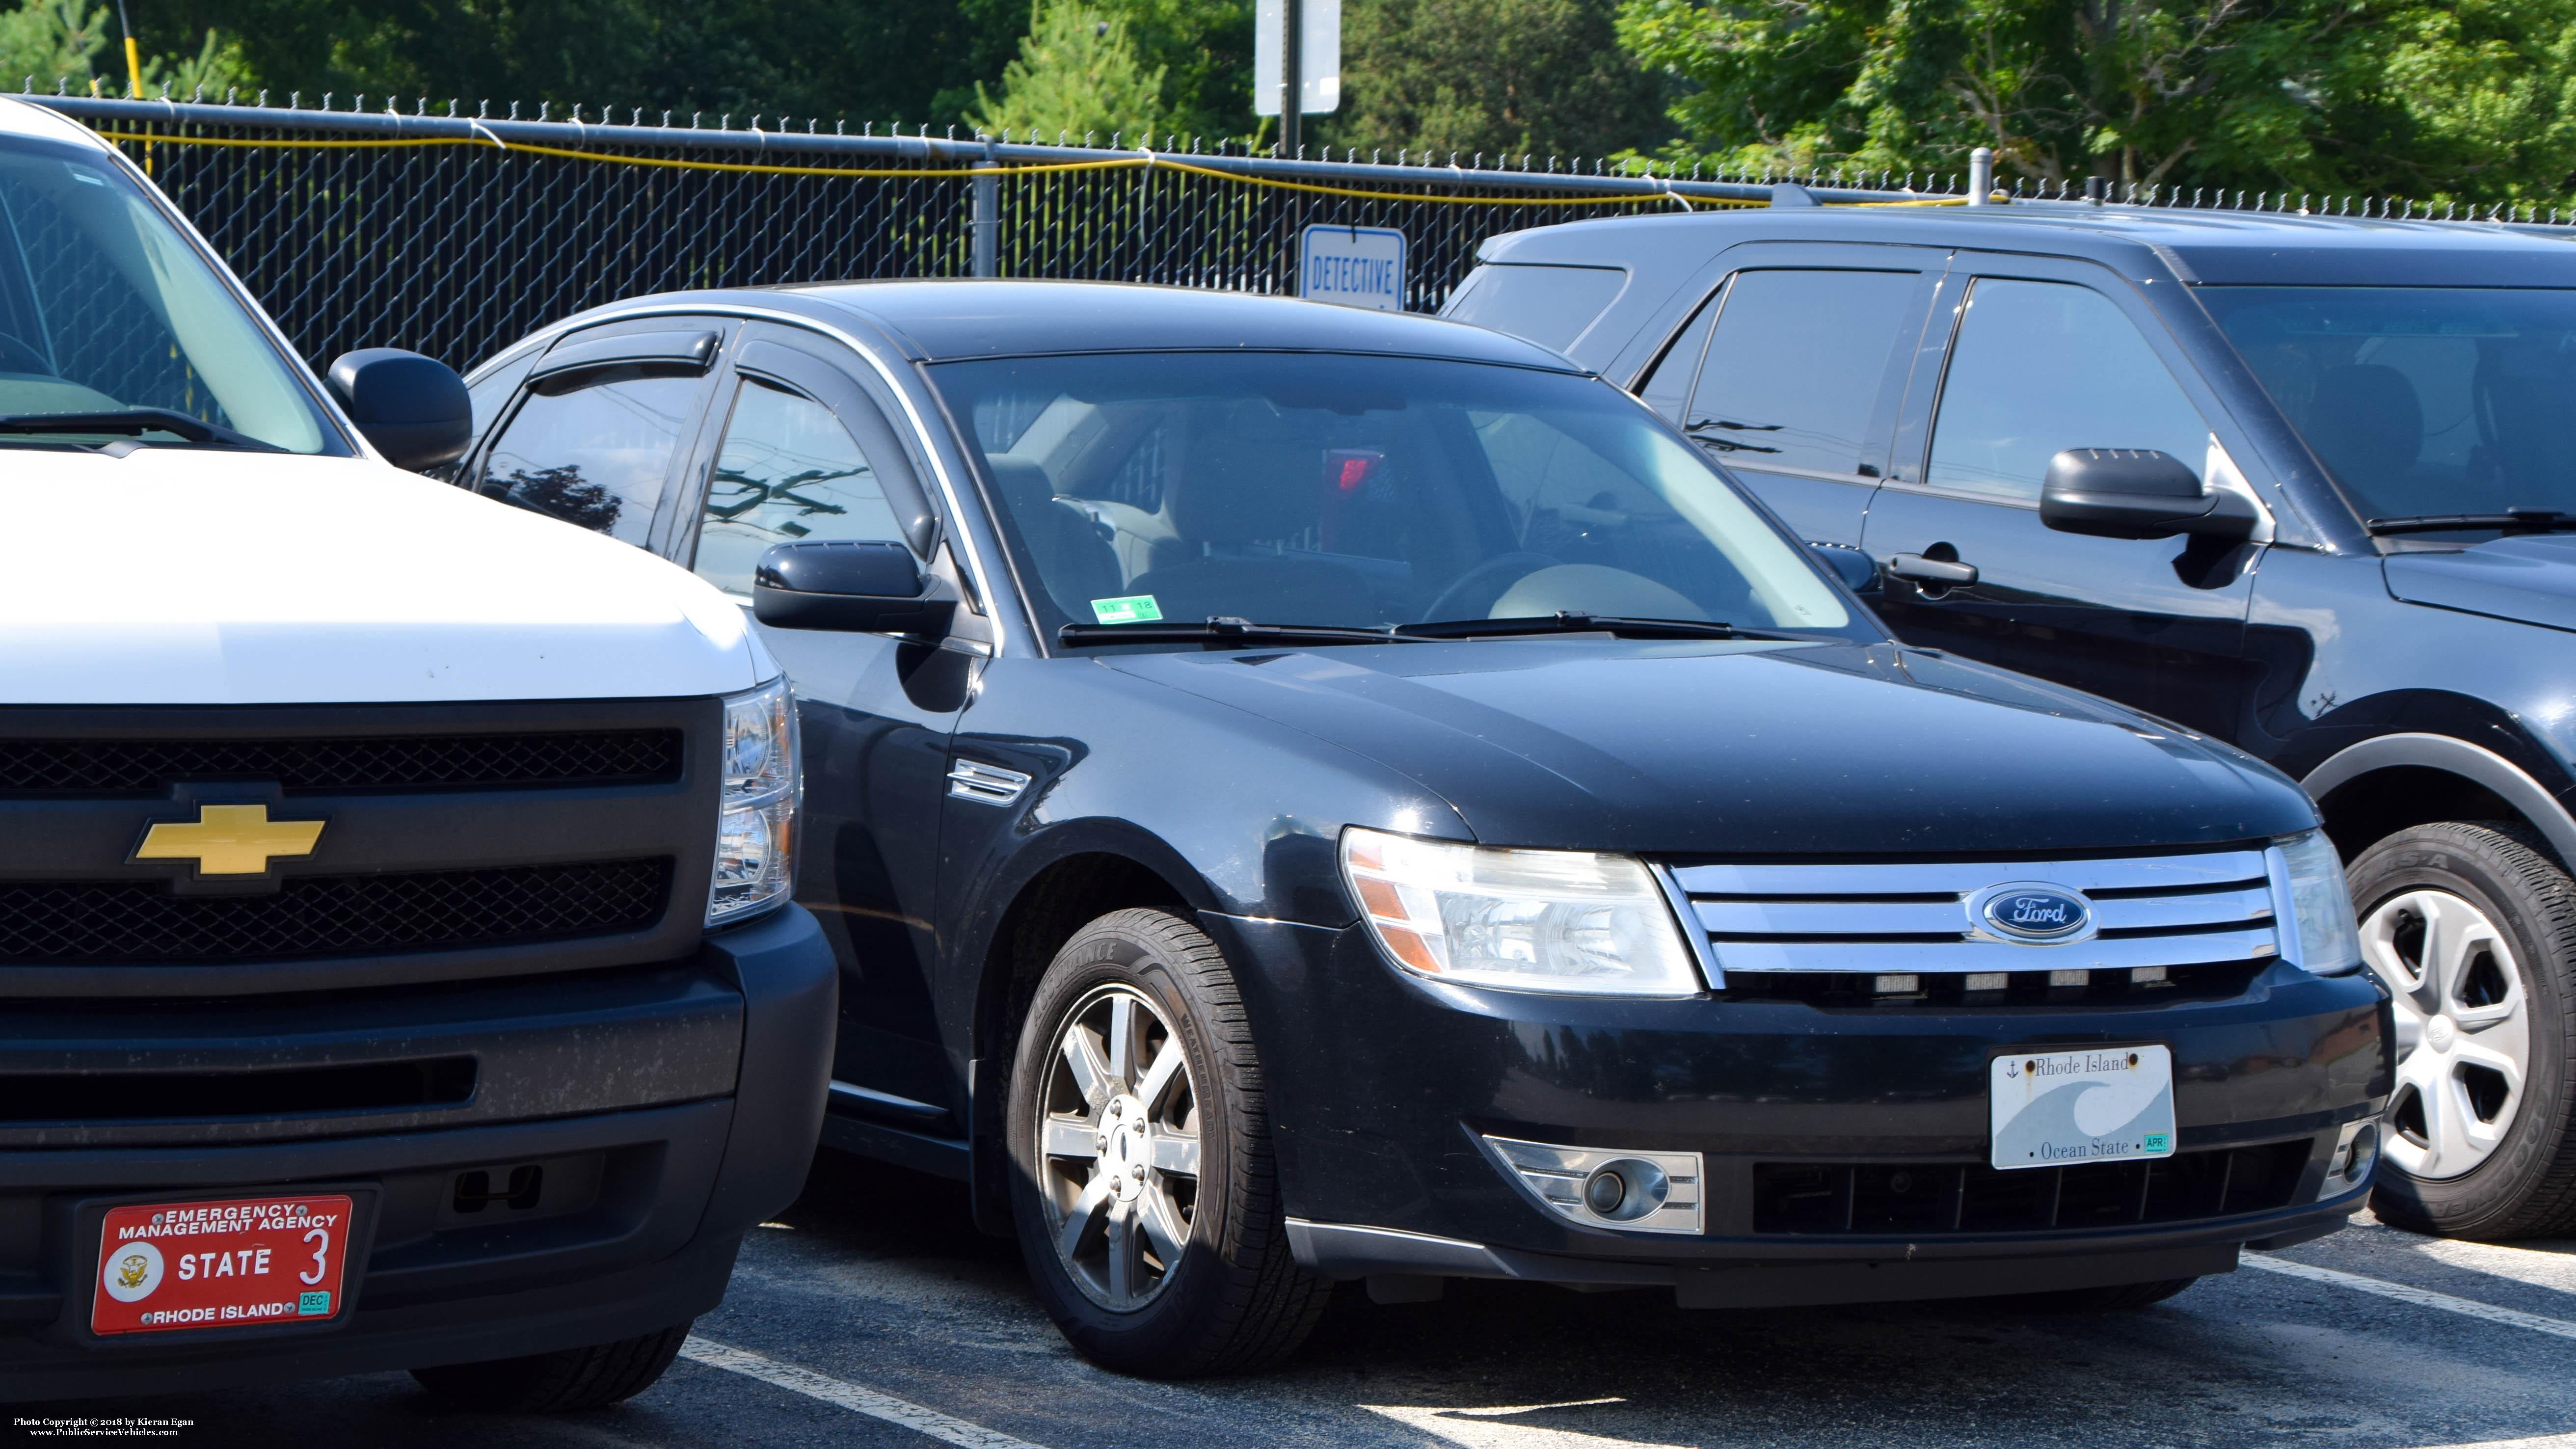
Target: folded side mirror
[(2136, 493), (414, 409), (1857, 570), (857, 588)]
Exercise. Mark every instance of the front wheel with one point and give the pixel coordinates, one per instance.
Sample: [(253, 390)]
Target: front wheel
[(1145, 1198), (2473, 930)]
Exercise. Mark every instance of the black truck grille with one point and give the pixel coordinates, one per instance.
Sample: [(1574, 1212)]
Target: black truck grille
[(91, 767), (1921, 1199), (354, 915)]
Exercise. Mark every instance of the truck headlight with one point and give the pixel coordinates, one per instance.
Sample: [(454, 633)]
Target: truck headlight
[(1525, 920), (2312, 906), (756, 825)]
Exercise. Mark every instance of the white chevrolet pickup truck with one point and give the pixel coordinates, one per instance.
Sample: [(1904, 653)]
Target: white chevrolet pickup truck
[(397, 964)]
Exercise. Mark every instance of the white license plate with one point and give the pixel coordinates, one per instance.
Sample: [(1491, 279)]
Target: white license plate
[(2103, 1104)]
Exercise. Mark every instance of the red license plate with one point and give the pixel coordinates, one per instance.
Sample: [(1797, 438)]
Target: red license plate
[(221, 1263)]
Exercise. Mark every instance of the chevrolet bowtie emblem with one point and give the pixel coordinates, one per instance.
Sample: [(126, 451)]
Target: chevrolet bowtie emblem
[(229, 840)]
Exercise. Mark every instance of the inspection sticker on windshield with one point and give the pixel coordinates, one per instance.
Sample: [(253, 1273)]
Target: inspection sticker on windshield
[(2106, 1104), (1134, 609)]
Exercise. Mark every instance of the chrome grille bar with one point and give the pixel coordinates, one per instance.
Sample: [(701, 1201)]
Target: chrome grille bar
[(2209, 908)]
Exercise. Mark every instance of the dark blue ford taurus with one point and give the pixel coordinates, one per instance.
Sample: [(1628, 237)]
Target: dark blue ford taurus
[(1308, 795)]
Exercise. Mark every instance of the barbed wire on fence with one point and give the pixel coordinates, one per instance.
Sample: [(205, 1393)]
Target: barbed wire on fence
[(456, 234)]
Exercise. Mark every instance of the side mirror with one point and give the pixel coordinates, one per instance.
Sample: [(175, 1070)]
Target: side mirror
[(1857, 570), (857, 588), (413, 408), (2135, 493)]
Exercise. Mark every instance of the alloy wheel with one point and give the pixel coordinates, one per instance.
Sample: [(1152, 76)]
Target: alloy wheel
[(1118, 1149), (2463, 1030)]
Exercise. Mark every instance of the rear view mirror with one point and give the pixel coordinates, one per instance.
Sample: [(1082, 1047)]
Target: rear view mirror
[(1857, 570), (857, 588), (414, 409), (2136, 493)]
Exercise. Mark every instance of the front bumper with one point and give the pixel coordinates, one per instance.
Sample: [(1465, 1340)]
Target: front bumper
[(672, 1107), (1385, 1092)]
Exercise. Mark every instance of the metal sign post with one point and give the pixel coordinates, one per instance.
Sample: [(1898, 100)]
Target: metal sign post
[(1296, 64)]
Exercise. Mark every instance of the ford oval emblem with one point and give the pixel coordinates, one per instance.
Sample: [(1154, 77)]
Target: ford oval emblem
[(2040, 914)]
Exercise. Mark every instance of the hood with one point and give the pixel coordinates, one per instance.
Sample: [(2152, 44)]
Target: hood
[(192, 576), (2531, 579), (1742, 747)]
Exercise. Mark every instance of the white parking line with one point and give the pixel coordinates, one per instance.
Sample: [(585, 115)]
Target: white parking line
[(849, 1396), (2421, 1297)]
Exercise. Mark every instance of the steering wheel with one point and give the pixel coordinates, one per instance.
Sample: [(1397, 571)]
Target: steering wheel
[(17, 356), (1492, 578)]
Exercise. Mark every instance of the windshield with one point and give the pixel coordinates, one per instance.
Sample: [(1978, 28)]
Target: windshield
[(2421, 400), (105, 308), (1363, 492)]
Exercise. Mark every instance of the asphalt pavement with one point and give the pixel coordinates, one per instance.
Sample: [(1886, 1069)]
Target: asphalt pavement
[(872, 1314)]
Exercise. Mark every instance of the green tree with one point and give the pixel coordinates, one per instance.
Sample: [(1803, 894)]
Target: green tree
[(2466, 98), (48, 40), (1501, 77), (1204, 49), (1077, 73)]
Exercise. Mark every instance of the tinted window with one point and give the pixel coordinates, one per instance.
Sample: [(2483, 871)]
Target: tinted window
[(1794, 368), (788, 471), (1547, 305), (2422, 400), (1668, 386), (2040, 367), (597, 456), (1369, 491)]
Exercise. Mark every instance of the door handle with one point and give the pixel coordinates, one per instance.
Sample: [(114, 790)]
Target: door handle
[(1942, 573)]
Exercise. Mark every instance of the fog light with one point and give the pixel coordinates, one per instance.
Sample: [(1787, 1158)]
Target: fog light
[(2356, 1152), (1653, 1192), (1604, 1191)]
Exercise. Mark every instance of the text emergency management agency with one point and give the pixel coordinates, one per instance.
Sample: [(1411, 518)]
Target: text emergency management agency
[(220, 1264)]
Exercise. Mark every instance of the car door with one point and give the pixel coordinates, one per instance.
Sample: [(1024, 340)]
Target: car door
[(1791, 371), (797, 448), (598, 434), (2026, 357)]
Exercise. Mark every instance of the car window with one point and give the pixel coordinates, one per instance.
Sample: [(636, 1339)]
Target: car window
[(788, 471), (105, 307), (1367, 491), (1794, 367), (1668, 386), (598, 456), (2421, 400), (1550, 306), (2040, 367)]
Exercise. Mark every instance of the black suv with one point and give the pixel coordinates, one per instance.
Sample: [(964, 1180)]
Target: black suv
[(1304, 794), (2297, 483)]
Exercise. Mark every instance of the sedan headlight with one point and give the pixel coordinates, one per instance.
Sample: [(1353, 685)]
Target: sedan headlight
[(2313, 905), (756, 826), (1526, 920)]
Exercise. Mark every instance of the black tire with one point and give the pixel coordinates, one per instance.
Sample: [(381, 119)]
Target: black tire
[(2118, 1298), (559, 1382), (1236, 1301), (2527, 1186)]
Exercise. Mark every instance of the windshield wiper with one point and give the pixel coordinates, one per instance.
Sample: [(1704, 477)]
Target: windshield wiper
[(2512, 520), (1221, 629), (1571, 623), (134, 421)]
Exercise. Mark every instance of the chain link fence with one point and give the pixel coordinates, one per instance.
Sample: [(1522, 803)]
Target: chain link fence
[(456, 235)]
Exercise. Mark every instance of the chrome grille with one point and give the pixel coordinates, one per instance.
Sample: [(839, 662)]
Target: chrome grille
[(1914, 917)]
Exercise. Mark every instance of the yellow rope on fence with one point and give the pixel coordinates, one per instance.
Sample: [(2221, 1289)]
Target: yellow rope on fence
[(1149, 161)]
